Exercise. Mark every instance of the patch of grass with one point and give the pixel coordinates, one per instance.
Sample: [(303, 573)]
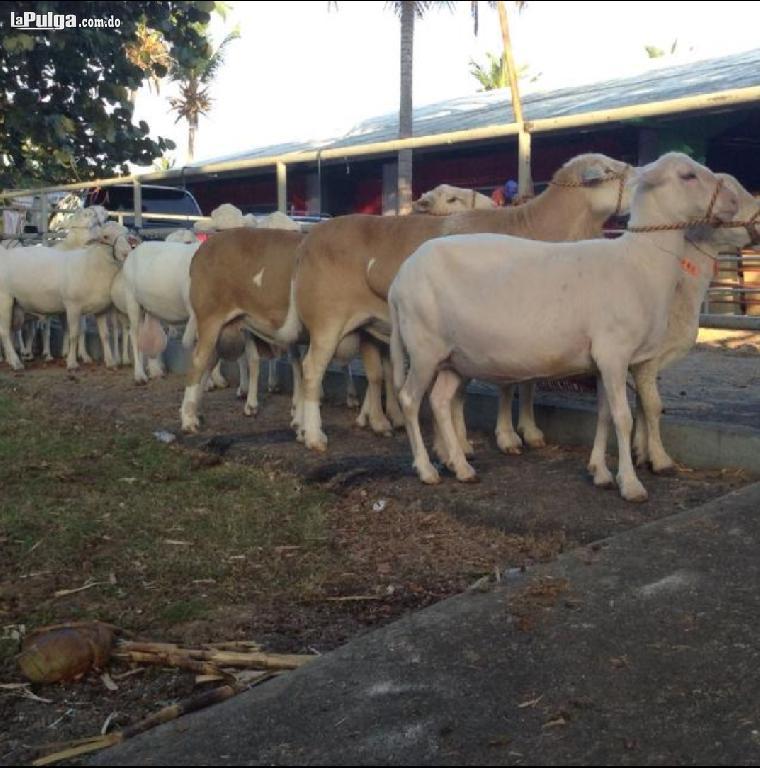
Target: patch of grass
[(166, 542), (184, 610)]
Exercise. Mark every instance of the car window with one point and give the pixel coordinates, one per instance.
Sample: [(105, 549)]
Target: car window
[(154, 200)]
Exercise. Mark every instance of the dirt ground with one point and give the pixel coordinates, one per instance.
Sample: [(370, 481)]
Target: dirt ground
[(382, 536), (541, 491)]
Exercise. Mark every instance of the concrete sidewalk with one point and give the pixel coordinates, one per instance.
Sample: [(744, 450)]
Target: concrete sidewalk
[(640, 650)]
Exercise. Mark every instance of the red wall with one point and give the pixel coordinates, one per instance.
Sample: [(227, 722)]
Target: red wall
[(471, 167)]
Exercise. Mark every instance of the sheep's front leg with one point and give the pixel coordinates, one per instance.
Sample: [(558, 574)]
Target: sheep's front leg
[(156, 368), (82, 342), (532, 436), (251, 407), (6, 315), (597, 464), (614, 374), (46, 353), (134, 312), (506, 438), (73, 319), (105, 340), (645, 376)]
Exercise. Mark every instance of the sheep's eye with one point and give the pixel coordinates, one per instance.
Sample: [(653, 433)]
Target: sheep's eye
[(689, 176), (451, 200)]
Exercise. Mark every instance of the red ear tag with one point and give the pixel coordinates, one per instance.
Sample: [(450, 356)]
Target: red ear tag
[(689, 267)]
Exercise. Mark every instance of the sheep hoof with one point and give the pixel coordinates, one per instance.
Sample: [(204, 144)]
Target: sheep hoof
[(665, 470), (241, 394), (361, 420), (382, 427), (467, 448), (429, 476), (352, 401), (632, 490), (251, 410), (509, 443), (642, 459), (534, 439), (467, 475), (317, 442)]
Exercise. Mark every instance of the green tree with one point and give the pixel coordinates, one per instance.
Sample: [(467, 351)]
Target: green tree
[(194, 82), (65, 112), (493, 74), (150, 52), (653, 52)]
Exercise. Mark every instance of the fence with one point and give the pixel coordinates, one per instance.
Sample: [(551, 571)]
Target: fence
[(735, 288)]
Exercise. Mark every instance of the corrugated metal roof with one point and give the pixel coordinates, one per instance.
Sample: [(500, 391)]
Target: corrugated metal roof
[(493, 107)]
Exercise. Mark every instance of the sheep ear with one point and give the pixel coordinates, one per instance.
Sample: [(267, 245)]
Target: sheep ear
[(592, 174), (651, 175)]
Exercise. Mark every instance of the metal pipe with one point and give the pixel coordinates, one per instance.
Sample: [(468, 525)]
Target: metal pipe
[(730, 322), (719, 100), (137, 202)]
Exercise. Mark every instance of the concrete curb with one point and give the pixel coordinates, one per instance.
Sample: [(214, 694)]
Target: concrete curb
[(697, 444)]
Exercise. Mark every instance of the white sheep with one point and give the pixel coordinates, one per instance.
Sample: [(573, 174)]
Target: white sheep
[(49, 281), (604, 306), (445, 199), (702, 248)]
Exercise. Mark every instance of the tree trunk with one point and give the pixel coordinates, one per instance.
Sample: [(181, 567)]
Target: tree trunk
[(405, 127), (192, 128), (524, 179)]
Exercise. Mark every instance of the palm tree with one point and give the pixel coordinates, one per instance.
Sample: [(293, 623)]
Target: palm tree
[(491, 75), (408, 11), (494, 75), (653, 52), (194, 83), (151, 54)]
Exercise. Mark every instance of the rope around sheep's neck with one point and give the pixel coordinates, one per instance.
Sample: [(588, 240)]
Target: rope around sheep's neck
[(706, 219), (750, 225), (621, 177)]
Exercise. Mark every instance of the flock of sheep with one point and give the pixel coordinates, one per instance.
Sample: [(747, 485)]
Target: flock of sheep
[(457, 291)]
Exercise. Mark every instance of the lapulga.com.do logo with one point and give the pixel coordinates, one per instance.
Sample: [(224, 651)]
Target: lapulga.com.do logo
[(39, 21)]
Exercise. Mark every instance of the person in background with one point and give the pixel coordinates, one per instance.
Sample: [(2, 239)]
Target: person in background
[(506, 194)]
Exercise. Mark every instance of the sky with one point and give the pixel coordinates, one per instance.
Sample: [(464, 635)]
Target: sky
[(302, 72)]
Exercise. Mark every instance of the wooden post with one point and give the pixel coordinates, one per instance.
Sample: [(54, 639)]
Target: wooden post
[(524, 177), (282, 187), (44, 214)]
